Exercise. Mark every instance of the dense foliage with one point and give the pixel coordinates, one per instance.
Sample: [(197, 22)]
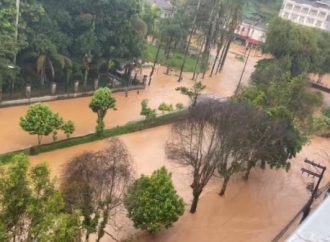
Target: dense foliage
[(41, 121), (152, 202), (32, 209), (306, 49), (101, 102), (70, 40)]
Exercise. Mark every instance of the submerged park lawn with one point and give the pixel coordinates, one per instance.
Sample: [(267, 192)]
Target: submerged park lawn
[(175, 60)]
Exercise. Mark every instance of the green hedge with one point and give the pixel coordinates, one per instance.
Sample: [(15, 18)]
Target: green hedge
[(119, 130)]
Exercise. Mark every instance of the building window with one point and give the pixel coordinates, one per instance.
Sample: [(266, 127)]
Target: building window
[(328, 18), (321, 14), (297, 8), (288, 6), (313, 12), (318, 23), (294, 16), (285, 15), (310, 20), (301, 19), (305, 10)]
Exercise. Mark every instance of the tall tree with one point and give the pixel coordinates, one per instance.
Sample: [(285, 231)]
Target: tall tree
[(193, 143), (32, 209), (95, 183)]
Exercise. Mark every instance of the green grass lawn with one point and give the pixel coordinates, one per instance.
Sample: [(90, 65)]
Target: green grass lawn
[(175, 60)]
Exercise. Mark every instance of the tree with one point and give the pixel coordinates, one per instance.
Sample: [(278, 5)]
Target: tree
[(101, 102), (193, 143), (32, 207), (193, 93), (152, 202), (14, 197), (68, 128), (8, 48), (147, 111), (290, 93), (40, 120), (95, 183), (297, 38)]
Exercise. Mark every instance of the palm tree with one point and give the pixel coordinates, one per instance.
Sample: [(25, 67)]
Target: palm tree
[(44, 63), (66, 66)]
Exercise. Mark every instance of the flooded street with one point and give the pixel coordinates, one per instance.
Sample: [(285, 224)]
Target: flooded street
[(254, 211), (162, 89), (251, 211)]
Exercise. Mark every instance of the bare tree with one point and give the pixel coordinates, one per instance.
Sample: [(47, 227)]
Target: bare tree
[(194, 143), (95, 183)]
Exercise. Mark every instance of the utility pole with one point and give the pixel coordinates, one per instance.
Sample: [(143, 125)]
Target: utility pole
[(306, 208), (318, 175)]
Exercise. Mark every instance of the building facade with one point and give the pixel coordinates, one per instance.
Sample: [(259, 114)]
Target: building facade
[(311, 13), (165, 7), (251, 32)]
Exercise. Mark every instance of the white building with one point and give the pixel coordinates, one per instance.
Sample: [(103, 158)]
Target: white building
[(311, 13), (251, 32), (316, 226), (165, 7)]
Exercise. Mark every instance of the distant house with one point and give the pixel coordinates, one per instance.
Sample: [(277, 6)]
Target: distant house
[(311, 13), (251, 32), (165, 7)]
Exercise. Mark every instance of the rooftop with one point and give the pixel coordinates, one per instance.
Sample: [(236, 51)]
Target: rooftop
[(162, 4), (315, 3)]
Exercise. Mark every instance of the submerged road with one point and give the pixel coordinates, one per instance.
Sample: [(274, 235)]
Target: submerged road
[(162, 89)]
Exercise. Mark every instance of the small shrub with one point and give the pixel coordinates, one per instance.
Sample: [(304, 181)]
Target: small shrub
[(147, 111), (163, 107), (179, 106)]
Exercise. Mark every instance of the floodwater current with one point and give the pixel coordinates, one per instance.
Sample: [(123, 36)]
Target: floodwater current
[(250, 211), (162, 89), (254, 211)]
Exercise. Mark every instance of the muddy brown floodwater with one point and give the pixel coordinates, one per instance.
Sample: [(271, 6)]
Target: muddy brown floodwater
[(162, 89), (251, 211)]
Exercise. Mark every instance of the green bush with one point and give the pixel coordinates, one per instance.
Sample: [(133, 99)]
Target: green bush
[(152, 202), (147, 111)]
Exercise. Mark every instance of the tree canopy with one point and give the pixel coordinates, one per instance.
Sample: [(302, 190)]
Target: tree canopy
[(152, 202), (68, 40)]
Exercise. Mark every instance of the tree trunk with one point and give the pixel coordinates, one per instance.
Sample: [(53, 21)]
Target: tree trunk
[(248, 170), (39, 139), (85, 78), (198, 59), (221, 57), (225, 56), (263, 164), (224, 186), (194, 204), (154, 65), (217, 56), (185, 54)]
